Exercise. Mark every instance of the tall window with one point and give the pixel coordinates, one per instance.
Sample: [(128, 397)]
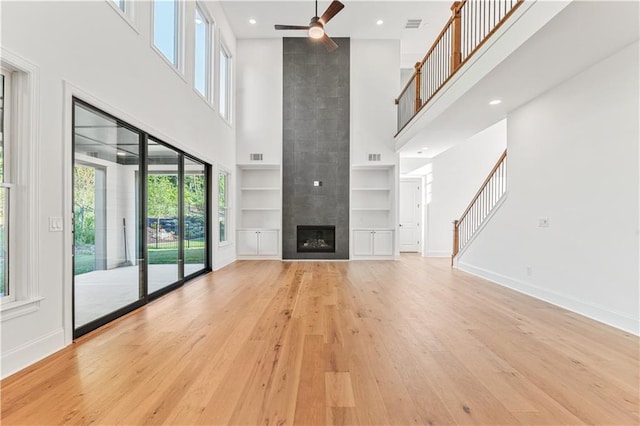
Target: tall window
[(5, 290), (202, 66), (223, 207), (166, 29), (225, 83)]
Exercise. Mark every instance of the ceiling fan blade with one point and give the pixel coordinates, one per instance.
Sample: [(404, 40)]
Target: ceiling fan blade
[(331, 11), (328, 43), (291, 27)]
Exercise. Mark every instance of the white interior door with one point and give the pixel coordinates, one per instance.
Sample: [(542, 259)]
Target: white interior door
[(410, 214)]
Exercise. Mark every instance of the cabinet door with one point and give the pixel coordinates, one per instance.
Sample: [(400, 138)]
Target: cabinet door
[(362, 243), (268, 243), (383, 243), (248, 243)]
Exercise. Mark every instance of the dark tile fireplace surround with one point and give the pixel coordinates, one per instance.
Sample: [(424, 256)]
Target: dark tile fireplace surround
[(316, 147)]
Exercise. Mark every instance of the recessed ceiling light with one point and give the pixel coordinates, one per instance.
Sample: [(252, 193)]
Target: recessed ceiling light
[(252, 21), (495, 102), (121, 153), (424, 148), (379, 22)]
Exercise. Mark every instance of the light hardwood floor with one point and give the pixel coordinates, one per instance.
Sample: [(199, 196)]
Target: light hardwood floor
[(313, 343)]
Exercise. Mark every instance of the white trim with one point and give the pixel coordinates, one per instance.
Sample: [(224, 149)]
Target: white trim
[(31, 352), (128, 15), (209, 71), (25, 175), (591, 310), (228, 117), (179, 66)]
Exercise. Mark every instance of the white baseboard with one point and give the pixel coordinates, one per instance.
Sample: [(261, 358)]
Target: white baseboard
[(587, 309), (31, 352)]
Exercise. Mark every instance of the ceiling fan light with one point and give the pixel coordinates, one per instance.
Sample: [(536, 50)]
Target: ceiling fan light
[(316, 31)]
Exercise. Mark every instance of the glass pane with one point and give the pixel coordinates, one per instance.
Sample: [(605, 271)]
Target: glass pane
[(4, 241), (1, 128), (223, 83), (194, 216), (105, 205), (163, 230), (222, 206), (165, 28), (120, 4), (201, 54)]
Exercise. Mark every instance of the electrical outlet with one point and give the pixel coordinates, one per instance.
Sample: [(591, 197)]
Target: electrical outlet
[(529, 271), (543, 222)]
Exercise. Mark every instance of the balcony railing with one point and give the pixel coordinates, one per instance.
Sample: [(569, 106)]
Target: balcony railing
[(471, 24)]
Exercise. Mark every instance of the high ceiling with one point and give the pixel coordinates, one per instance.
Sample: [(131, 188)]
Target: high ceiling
[(357, 20)]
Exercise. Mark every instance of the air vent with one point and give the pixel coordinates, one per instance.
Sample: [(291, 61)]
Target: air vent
[(255, 157), (374, 157), (413, 24)]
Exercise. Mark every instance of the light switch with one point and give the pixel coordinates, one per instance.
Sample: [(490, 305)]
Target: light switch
[(55, 224), (543, 222)]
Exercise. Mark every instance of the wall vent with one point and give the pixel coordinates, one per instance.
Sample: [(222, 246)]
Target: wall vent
[(413, 24), (374, 157), (255, 157)]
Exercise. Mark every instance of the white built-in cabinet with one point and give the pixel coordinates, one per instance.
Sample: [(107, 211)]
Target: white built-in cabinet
[(259, 210), (373, 211), (258, 242)]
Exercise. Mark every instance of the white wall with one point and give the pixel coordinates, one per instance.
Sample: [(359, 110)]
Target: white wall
[(573, 157), (87, 49), (375, 82), (457, 176), (260, 100)]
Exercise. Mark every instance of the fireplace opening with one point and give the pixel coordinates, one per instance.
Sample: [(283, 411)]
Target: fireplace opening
[(316, 239)]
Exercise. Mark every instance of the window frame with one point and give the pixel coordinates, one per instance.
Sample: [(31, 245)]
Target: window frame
[(25, 166), (225, 208), (209, 53), (6, 181), (226, 114), (127, 14), (179, 39)]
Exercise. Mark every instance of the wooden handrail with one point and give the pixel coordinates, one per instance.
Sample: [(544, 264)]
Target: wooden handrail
[(448, 46), (482, 204), (483, 186)]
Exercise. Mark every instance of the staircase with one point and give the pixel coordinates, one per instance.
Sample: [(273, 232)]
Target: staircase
[(482, 205)]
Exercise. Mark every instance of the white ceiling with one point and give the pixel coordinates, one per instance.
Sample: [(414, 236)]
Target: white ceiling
[(356, 20)]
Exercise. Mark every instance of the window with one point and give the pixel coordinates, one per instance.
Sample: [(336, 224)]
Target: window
[(166, 29), (119, 4), (201, 59), (223, 207), (225, 83), (5, 188)]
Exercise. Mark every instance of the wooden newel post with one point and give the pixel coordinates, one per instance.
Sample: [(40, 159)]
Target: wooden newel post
[(418, 79), (456, 41), (456, 246)]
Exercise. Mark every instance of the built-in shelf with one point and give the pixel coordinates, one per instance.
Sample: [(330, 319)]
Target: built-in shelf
[(372, 211), (259, 210)]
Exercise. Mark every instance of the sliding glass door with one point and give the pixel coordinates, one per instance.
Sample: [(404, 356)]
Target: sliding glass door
[(141, 217), (163, 217), (195, 216), (105, 206)]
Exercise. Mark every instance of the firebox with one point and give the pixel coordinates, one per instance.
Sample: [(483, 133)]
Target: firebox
[(316, 239)]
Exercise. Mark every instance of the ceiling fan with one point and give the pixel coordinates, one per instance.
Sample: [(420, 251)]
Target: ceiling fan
[(316, 26)]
